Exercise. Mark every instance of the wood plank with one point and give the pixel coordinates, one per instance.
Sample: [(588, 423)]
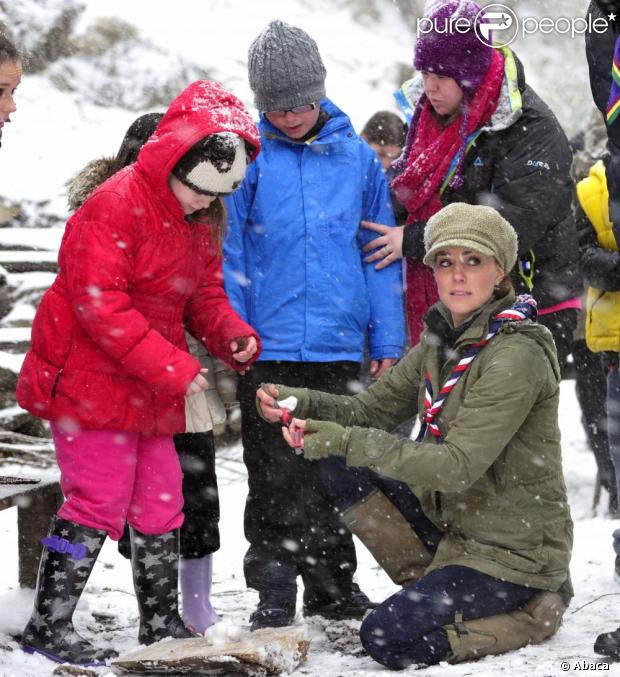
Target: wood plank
[(271, 651), (21, 494)]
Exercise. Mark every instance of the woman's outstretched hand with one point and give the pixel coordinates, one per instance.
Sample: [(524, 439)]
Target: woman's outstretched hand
[(319, 439), (388, 247), (294, 433)]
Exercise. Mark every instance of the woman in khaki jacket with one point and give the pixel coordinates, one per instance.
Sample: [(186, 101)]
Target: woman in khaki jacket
[(471, 518)]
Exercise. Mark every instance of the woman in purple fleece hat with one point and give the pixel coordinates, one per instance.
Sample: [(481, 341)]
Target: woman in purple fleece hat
[(479, 134)]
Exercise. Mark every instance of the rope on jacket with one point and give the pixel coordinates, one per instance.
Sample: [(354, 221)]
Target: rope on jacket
[(524, 308)]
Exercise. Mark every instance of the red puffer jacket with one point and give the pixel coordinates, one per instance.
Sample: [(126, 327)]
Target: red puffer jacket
[(108, 346)]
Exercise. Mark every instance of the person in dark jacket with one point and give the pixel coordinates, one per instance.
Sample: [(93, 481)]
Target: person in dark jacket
[(10, 77), (294, 269), (590, 362), (385, 133), (471, 518), (600, 244), (480, 134), (109, 366), (600, 264), (602, 50)]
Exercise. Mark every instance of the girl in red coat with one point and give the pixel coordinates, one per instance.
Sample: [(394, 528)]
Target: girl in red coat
[(109, 367)]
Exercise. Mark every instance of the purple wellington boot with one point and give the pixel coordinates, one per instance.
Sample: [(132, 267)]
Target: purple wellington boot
[(195, 578)]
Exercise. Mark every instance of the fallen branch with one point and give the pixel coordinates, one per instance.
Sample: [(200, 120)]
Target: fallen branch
[(596, 599)]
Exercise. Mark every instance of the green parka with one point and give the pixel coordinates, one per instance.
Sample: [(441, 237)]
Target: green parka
[(495, 483)]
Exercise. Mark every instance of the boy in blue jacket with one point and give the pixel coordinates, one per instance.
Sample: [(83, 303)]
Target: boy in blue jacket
[(295, 269)]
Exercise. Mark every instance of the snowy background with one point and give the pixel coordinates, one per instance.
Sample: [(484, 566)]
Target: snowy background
[(367, 47), (76, 104)]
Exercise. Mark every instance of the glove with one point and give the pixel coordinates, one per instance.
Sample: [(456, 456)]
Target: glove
[(303, 399), (325, 438)]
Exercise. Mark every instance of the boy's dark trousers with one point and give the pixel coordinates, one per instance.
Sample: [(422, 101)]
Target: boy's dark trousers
[(290, 523), (591, 390)]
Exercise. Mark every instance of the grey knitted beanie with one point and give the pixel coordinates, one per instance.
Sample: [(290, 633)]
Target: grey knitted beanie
[(285, 68), (476, 227)]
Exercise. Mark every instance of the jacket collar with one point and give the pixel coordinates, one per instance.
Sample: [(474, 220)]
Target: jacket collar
[(439, 323)]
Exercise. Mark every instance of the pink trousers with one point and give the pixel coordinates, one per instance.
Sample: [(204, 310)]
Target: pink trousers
[(109, 477)]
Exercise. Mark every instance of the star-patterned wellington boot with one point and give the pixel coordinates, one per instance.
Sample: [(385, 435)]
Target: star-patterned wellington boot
[(155, 564), (69, 554)]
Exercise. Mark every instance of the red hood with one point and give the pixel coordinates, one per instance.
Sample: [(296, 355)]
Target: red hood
[(201, 109)]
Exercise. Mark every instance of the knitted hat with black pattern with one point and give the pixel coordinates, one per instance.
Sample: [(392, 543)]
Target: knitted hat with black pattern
[(476, 227), (215, 165), (285, 68)]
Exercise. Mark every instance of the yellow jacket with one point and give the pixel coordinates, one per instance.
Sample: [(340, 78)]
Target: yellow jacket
[(602, 307)]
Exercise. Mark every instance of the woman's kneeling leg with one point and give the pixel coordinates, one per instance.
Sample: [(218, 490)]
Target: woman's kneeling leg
[(407, 627)]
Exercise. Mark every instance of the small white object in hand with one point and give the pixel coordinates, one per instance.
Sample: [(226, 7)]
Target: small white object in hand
[(289, 403)]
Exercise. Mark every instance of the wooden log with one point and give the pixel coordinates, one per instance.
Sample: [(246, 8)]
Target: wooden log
[(36, 501), (26, 266), (271, 651)]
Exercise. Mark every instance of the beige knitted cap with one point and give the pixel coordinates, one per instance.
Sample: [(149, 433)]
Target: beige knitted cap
[(481, 229)]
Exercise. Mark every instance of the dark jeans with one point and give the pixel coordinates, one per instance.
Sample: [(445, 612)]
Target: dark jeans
[(613, 428), (407, 627), (200, 533), (562, 325), (591, 390), (290, 523)]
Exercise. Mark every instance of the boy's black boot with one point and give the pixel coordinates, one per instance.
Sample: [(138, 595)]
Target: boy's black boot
[(608, 644), (155, 564), (69, 554), (276, 582), (273, 611), (349, 603)]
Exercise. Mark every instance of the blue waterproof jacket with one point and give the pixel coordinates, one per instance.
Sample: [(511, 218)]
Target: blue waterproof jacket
[(294, 267)]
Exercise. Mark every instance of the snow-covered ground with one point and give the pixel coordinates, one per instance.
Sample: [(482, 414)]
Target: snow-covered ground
[(107, 613)]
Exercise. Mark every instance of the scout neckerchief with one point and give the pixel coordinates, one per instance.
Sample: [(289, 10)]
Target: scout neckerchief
[(524, 308)]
